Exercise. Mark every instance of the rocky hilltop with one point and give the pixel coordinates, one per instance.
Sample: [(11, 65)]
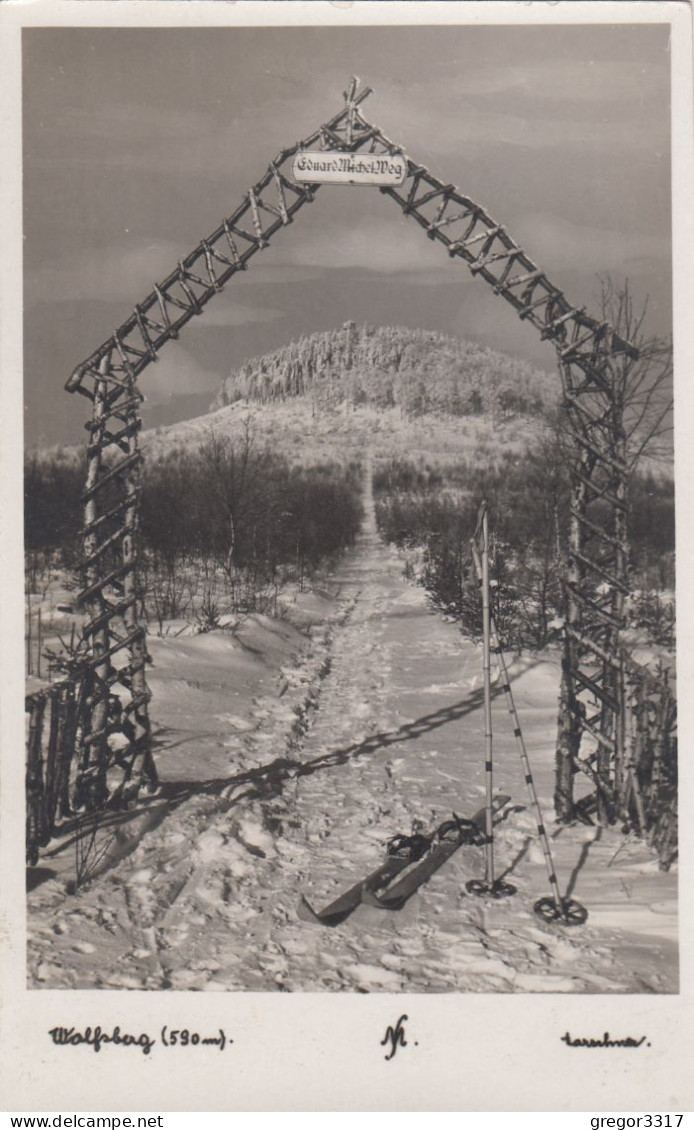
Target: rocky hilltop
[(419, 371)]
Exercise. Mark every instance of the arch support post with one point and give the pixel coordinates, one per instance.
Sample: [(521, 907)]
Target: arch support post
[(568, 723), (592, 707), (115, 758)]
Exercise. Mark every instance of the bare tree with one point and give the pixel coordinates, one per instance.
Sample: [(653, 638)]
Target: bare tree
[(642, 385), (228, 472)]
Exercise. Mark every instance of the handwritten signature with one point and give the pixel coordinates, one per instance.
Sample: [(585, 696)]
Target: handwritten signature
[(604, 1041), (395, 1037)]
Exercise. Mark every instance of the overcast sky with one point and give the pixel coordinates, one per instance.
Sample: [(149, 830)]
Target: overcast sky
[(138, 141)]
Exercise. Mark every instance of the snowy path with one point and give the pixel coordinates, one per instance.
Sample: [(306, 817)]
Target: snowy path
[(390, 734)]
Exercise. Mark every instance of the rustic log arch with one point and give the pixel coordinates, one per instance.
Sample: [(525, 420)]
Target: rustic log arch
[(591, 718)]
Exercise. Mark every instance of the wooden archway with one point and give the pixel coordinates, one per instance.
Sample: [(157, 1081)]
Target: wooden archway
[(591, 720)]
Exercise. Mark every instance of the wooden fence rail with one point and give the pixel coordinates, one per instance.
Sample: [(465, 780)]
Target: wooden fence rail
[(56, 717)]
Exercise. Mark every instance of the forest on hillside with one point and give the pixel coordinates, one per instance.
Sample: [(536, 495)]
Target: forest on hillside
[(417, 370), (223, 525), (431, 511)]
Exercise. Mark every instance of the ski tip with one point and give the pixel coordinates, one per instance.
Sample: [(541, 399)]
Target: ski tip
[(306, 912)]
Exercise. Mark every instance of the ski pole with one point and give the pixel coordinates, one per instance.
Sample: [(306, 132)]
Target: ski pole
[(486, 666), (491, 885), (559, 906)]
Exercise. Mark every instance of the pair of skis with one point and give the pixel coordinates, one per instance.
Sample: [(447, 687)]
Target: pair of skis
[(411, 860)]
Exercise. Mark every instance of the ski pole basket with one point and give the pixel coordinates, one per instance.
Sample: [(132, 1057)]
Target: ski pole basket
[(497, 889), (566, 911)]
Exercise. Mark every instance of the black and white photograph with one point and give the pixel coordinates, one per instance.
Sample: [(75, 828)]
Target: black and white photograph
[(349, 660)]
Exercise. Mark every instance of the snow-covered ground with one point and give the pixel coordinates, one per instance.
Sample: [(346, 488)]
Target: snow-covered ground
[(308, 435), (289, 753)]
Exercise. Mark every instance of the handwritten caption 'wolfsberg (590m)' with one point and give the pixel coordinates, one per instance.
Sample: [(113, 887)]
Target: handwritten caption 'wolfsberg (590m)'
[(98, 1037)]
